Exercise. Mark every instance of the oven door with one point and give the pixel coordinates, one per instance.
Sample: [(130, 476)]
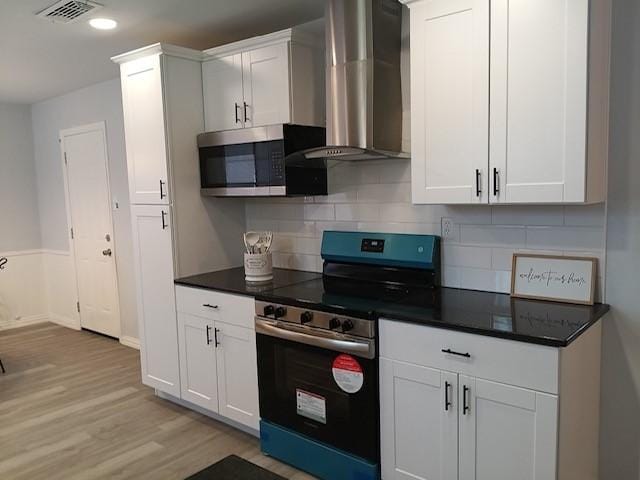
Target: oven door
[(322, 387), (239, 168)]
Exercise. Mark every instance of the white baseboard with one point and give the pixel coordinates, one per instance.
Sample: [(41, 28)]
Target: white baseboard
[(131, 342), (64, 321), (24, 321)]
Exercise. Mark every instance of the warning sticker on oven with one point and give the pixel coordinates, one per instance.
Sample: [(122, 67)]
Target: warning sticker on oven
[(347, 373), (311, 406)]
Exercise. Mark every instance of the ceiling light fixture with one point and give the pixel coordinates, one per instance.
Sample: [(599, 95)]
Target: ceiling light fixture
[(103, 23)]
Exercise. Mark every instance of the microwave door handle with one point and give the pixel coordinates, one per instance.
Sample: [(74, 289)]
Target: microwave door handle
[(362, 349)]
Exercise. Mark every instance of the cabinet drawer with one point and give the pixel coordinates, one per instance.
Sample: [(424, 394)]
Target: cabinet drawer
[(224, 307), (506, 361)]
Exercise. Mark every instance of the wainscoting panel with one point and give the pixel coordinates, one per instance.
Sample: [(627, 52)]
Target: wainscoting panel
[(22, 291)]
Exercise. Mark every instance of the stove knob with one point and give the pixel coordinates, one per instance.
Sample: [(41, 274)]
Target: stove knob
[(334, 323), (306, 317), (268, 310), (280, 312), (347, 325)]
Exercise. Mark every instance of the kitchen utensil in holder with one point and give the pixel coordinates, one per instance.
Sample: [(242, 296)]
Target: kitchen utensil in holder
[(258, 267)]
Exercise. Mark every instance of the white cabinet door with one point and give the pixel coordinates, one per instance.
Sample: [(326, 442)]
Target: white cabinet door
[(237, 374), (506, 432), (538, 100), (144, 125), (153, 264), (222, 85), (450, 101), (198, 373), (265, 73), (418, 421)]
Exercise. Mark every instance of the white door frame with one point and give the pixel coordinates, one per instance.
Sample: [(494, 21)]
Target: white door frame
[(91, 127)]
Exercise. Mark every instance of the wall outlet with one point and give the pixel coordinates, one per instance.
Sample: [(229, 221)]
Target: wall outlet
[(447, 228)]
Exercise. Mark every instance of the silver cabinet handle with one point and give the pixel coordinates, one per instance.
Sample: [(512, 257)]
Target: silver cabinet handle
[(107, 252)]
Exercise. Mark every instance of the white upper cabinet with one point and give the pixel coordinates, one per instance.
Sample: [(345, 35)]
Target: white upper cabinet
[(144, 124), (272, 79), (450, 100), (265, 73), (509, 100), (222, 84)]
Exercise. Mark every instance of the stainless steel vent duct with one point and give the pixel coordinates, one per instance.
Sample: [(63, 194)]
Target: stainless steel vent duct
[(364, 97)]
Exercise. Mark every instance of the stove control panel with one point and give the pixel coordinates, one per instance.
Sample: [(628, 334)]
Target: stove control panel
[(358, 327)]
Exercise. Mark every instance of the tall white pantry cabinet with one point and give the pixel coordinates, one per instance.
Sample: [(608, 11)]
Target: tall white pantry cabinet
[(176, 232), (509, 100)]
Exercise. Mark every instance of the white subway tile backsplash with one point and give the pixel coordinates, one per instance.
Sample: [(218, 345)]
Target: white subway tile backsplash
[(584, 215), (492, 235), (384, 193), (357, 212), (565, 238), (461, 256), (319, 212), (375, 196), (527, 215)]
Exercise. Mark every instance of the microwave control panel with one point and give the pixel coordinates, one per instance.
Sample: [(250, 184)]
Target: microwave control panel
[(277, 167)]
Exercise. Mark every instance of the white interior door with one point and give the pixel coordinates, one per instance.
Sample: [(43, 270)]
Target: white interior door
[(450, 93), (265, 73), (538, 100), (222, 89), (506, 432), (85, 159), (418, 422)]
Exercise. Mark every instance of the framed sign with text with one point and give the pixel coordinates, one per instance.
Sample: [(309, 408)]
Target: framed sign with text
[(556, 278)]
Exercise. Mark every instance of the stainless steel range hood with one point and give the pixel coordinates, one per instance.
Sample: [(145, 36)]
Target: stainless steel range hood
[(364, 97)]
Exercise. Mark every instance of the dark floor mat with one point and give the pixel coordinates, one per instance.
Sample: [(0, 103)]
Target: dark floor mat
[(234, 468)]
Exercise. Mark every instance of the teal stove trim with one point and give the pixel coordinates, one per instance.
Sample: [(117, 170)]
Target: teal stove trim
[(316, 458), (400, 250)]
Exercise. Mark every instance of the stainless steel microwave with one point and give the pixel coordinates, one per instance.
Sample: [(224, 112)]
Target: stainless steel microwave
[(262, 161)]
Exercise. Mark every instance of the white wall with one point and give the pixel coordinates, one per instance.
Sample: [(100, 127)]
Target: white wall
[(100, 102), (19, 223), (376, 197), (620, 421)]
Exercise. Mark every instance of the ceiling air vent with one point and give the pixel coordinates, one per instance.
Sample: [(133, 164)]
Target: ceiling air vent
[(67, 11)]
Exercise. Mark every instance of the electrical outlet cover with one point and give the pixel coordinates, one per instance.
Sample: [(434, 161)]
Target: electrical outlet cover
[(447, 228)]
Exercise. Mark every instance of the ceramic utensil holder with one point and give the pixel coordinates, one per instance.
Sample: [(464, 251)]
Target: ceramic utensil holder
[(258, 267)]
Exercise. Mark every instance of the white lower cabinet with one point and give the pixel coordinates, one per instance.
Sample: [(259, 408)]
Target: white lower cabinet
[(218, 366), (419, 422), (237, 374), (506, 432), (197, 361), (153, 251), (450, 423)]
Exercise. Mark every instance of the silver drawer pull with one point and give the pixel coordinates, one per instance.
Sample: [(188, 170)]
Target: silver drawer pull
[(448, 351), (210, 306)]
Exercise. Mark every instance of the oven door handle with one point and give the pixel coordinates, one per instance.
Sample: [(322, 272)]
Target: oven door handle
[(365, 349)]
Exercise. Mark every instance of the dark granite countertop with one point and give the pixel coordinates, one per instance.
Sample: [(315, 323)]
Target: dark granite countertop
[(484, 313), (498, 315), (232, 280)]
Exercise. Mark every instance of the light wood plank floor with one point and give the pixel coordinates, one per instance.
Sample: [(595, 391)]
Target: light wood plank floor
[(72, 407)]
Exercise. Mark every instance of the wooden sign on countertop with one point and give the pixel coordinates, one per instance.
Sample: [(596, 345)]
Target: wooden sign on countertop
[(556, 278)]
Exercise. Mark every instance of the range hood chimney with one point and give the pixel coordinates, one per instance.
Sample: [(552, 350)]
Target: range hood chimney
[(364, 95)]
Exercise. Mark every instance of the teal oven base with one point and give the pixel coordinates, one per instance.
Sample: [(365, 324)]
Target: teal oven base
[(315, 458)]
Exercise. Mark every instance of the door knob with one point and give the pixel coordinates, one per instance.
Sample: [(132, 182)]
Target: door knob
[(107, 252)]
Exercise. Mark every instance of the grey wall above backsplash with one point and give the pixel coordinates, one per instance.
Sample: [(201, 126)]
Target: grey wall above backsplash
[(376, 196)]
